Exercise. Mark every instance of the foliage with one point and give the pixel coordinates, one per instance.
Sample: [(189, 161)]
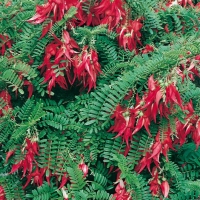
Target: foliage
[(99, 99)]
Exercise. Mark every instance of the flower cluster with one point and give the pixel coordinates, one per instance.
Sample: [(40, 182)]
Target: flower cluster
[(57, 7), (191, 126), (87, 67), (160, 99), (110, 12), (160, 145), (129, 35), (32, 171), (62, 58), (30, 150), (156, 186), (57, 61)]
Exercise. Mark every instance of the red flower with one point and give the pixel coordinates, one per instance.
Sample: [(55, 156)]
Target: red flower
[(121, 193), (154, 183), (165, 141), (46, 29), (196, 134), (37, 176), (129, 36), (165, 188), (90, 17), (110, 12), (124, 123), (29, 151), (64, 180), (185, 2), (2, 193), (160, 145), (55, 53), (180, 2), (42, 13), (58, 8), (87, 67), (9, 3), (84, 168), (129, 95), (166, 28), (173, 96), (144, 162)]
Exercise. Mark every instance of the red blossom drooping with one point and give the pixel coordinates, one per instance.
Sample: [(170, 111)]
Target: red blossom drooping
[(154, 183), (89, 18), (144, 162), (160, 146), (156, 187), (121, 193), (191, 126), (30, 150), (26, 83), (7, 99), (84, 168), (63, 180), (129, 35), (124, 123), (173, 96), (9, 154), (30, 87), (5, 42), (57, 7), (165, 188), (184, 129), (37, 177), (57, 61), (2, 193), (158, 100), (110, 12), (87, 67)]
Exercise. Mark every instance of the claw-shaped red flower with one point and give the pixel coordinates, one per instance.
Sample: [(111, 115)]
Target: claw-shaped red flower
[(111, 12), (57, 61), (87, 67), (29, 151), (37, 176), (129, 36), (124, 123)]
